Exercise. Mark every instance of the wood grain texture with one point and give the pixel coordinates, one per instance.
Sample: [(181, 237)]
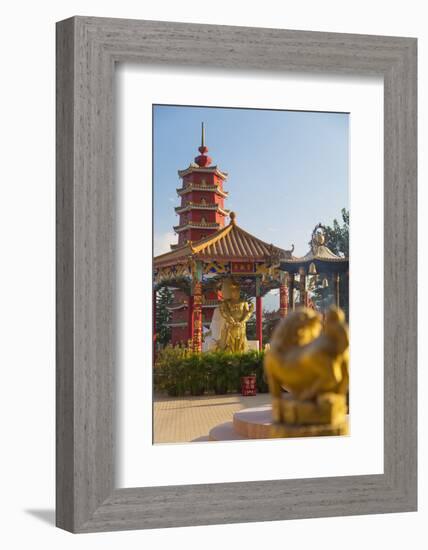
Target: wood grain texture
[(87, 49), (64, 277)]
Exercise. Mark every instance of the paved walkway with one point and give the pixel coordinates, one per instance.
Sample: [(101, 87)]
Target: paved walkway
[(184, 419)]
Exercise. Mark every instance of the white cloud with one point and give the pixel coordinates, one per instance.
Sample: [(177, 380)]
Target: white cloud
[(162, 242)]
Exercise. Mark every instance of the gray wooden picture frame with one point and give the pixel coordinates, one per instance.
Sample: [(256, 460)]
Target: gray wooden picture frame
[(87, 50)]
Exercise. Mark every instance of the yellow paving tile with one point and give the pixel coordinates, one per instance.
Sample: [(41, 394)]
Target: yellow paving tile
[(184, 419)]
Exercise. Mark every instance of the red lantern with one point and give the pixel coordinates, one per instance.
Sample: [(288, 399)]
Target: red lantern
[(248, 385)]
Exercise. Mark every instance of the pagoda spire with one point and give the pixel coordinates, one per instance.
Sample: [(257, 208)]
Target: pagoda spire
[(203, 159), (203, 136)]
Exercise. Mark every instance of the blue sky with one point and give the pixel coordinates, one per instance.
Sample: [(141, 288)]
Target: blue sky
[(288, 170)]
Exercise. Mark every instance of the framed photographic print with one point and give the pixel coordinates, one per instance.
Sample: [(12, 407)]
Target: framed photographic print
[(245, 285), (236, 274)]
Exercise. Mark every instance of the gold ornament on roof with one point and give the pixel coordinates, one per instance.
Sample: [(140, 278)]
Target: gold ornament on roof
[(318, 237)]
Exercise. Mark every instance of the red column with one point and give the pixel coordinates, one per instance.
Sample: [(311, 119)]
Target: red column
[(154, 325), (283, 300), (291, 291), (302, 288), (197, 317), (190, 320), (259, 325)]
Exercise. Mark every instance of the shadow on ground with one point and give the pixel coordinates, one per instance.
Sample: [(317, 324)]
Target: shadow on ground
[(43, 514)]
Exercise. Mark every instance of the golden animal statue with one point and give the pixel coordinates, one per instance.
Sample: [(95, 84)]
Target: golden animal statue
[(235, 313), (311, 362)]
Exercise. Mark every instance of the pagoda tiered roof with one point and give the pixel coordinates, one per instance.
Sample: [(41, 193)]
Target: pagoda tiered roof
[(199, 187), (196, 225), (200, 206), (231, 243), (194, 167)]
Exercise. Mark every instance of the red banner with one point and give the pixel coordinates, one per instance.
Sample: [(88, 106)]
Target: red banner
[(242, 267)]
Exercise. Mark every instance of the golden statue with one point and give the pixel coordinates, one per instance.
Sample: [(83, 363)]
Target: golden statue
[(235, 313), (310, 361)]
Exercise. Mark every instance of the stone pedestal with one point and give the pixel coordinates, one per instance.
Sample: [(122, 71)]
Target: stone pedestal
[(256, 423)]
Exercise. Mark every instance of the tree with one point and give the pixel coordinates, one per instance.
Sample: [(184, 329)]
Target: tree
[(164, 298), (270, 320), (251, 326), (337, 236)]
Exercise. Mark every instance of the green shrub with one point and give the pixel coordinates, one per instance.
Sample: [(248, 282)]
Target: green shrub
[(169, 374), (179, 371)]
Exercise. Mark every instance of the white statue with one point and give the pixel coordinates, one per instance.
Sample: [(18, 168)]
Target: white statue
[(212, 337)]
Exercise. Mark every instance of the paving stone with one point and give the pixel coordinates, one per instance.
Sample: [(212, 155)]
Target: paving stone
[(185, 419)]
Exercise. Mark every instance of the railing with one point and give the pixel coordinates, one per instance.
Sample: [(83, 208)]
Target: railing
[(195, 187), (196, 225), (199, 205)]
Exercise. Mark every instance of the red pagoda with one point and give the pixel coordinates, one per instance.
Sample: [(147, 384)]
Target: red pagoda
[(201, 213)]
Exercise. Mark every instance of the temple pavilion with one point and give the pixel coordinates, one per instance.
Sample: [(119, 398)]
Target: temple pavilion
[(321, 263), (209, 250)]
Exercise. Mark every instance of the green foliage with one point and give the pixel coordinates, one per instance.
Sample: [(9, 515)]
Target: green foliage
[(182, 283), (179, 371), (169, 372), (269, 322), (164, 298), (337, 236), (337, 239), (251, 327)]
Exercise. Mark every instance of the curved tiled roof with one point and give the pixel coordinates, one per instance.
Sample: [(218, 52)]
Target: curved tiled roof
[(320, 252), (227, 244), (193, 167)]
